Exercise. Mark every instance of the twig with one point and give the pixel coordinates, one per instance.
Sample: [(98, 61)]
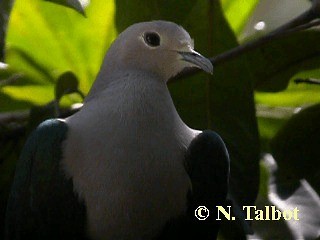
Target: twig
[(19, 116), (308, 81), (304, 18), (304, 21), (11, 80), (236, 52), (22, 116)]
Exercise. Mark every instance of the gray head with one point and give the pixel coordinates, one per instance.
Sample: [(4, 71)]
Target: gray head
[(160, 47)]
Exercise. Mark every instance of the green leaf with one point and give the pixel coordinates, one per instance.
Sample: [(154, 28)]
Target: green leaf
[(275, 63), (270, 121), (36, 94), (8, 104), (296, 59), (238, 12), (268, 127), (296, 95), (32, 70), (45, 40), (77, 5), (5, 74), (296, 147), (67, 83)]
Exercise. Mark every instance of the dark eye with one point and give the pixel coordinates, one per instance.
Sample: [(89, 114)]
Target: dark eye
[(152, 39)]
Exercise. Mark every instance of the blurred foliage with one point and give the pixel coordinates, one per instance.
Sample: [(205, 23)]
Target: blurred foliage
[(237, 13), (42, 46), (77, 5), (53, 50), (296, 147), (5, 8), (67, 83), (275, 63)]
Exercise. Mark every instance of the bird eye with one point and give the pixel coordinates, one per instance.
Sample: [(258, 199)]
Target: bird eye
[(152, 39)]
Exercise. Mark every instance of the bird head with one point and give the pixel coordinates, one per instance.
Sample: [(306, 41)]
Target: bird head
[(159, 47)]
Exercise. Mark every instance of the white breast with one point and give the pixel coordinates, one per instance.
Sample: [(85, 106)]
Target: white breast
[(125, 154)]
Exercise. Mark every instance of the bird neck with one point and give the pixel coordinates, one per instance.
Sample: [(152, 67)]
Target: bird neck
[(114, 78), (139, 97)]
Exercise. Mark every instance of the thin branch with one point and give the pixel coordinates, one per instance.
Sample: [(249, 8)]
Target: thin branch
[(304, 18), (237, 51), (308, 81), (19, 116), (304, 21), (11, 80), (23, 116)]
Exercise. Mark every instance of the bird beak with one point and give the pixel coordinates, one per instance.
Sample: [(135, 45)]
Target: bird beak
[(197, 60)]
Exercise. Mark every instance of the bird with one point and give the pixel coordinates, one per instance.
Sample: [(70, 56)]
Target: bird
[(125, 166)]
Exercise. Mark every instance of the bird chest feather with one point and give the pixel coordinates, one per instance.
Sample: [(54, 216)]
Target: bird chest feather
[(127, 161)]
